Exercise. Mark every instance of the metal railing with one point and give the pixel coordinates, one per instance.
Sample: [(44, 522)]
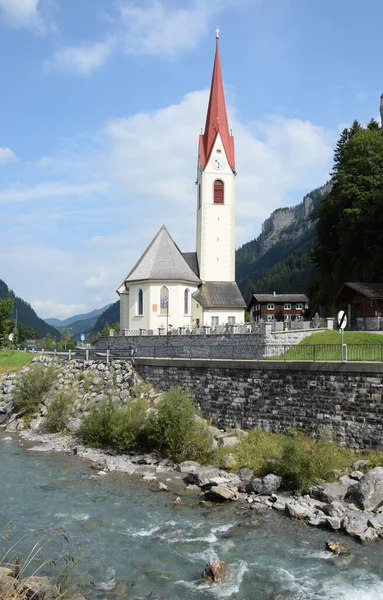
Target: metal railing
[(277, 352)]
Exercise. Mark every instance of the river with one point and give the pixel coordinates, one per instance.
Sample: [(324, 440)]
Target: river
[(129, 542)]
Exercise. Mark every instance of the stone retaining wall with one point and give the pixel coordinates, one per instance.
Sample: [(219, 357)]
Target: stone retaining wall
[(344, 398)]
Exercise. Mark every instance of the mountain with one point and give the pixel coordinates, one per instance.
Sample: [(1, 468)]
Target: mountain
[(279, 259), (82, 317), (111, 315), (27, 316)]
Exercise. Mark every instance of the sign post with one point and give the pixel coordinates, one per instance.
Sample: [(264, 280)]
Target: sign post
[(342, 322)]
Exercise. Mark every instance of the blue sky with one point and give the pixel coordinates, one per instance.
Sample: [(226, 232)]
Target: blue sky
[(101, 104)]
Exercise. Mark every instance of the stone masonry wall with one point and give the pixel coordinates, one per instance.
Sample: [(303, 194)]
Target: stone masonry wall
[(344, 398)]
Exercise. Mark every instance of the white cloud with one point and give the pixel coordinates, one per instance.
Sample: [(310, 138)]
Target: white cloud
[(151, 27), (83, 59), (50, 308), (22, 13), (50, 190), (7, 155), (162, 27)]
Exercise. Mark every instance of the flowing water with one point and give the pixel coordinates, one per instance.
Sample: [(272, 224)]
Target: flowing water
[(129, 542)]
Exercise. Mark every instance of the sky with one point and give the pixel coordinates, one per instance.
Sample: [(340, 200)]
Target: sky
[(101, 105)]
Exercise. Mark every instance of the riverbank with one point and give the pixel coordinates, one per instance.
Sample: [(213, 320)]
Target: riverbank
[(342, 506)]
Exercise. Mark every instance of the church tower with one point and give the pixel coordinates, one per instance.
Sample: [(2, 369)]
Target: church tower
[(216, 188)]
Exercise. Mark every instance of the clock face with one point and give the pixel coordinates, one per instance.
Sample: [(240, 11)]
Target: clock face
[(219, 163)]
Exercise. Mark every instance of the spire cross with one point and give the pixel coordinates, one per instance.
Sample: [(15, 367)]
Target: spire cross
[(217, 32)]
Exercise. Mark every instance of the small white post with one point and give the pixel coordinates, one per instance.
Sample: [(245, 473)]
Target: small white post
[(107, 356), (70, 354), (87, 354)]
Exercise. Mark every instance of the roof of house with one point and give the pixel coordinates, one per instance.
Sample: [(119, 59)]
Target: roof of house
[(216, 119), (369, 290), (219, 294), (162, 260), (280, 297)]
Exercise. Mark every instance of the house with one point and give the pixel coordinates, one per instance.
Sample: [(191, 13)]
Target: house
[(365, 300), (277, 307), (168, 288)]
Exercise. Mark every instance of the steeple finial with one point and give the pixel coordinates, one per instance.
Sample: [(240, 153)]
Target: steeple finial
[(217, 32)]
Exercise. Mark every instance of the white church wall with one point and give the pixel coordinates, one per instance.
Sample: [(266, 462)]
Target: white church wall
[(124, 310), (153, 317)]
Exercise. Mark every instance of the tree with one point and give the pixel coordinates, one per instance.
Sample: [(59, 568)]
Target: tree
[(6, 308), (349, 221), (65, 338)]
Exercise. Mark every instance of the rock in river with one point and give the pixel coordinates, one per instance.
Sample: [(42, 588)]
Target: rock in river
[(215, 571)]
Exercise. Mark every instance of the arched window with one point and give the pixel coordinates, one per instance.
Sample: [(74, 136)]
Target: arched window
[(187, 302), (164, 300), (140, 302), (218, 191)]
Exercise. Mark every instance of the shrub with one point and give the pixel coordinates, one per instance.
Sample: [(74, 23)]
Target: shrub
[(110, 425), (305, 461), (176, 432), (255, 450), (31, 387), (58, 411)]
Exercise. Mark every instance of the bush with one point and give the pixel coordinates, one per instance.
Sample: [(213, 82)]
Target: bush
[(109, 425), (256, 449), (58, 411), (305, 461), (176, 432), (31, 387)]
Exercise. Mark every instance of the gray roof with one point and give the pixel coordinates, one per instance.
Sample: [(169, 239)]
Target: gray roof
[(369, 290), (219, 294), (162, 260), (192, 261), (280, 298)]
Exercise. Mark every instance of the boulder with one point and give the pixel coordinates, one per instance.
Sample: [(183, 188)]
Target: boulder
[(39, 588), (355, 523), (215, 571), (7, 583), (202, 476), (41, 448), (367, 494), (5, 572), (360, 464), (368, 535), (187, 466), (334, 522), (328, 492), (334, 509), (356, 475), (266, 486), (337, 548), (224, 492), (295, 510), (228, 442), (246, 475)]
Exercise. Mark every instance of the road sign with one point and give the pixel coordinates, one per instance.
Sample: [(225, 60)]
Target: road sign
[(341, 319), (82, 337)]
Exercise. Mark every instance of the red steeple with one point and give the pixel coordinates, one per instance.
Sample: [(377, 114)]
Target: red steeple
[(216, 120)]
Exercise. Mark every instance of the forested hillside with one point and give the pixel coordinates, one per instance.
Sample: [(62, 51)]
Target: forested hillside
[(109, 316), (27, 318), (280, 258)]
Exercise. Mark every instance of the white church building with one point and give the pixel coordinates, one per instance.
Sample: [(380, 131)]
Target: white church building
[(169, 289)]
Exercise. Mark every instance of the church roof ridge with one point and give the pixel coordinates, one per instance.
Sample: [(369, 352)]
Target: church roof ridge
[(162, 260), (216, 118)]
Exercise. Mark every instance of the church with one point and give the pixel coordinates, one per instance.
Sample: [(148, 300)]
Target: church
[(169, 289)]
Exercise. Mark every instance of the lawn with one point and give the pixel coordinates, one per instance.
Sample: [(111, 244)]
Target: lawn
[(325, 346), (11, 360)]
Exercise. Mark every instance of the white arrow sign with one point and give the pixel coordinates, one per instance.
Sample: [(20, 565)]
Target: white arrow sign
[(341, 319)]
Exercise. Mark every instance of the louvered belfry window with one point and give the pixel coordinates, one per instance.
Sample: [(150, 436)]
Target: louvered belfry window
[(218, 192)]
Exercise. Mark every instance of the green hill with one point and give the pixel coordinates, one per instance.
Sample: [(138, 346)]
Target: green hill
[(27, 318)]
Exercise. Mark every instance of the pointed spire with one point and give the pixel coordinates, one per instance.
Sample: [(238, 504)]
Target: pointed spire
[(216, 120)]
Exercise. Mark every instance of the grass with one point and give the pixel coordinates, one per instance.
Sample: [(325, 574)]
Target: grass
[(31, 387), (325, 346), (12, 360)]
